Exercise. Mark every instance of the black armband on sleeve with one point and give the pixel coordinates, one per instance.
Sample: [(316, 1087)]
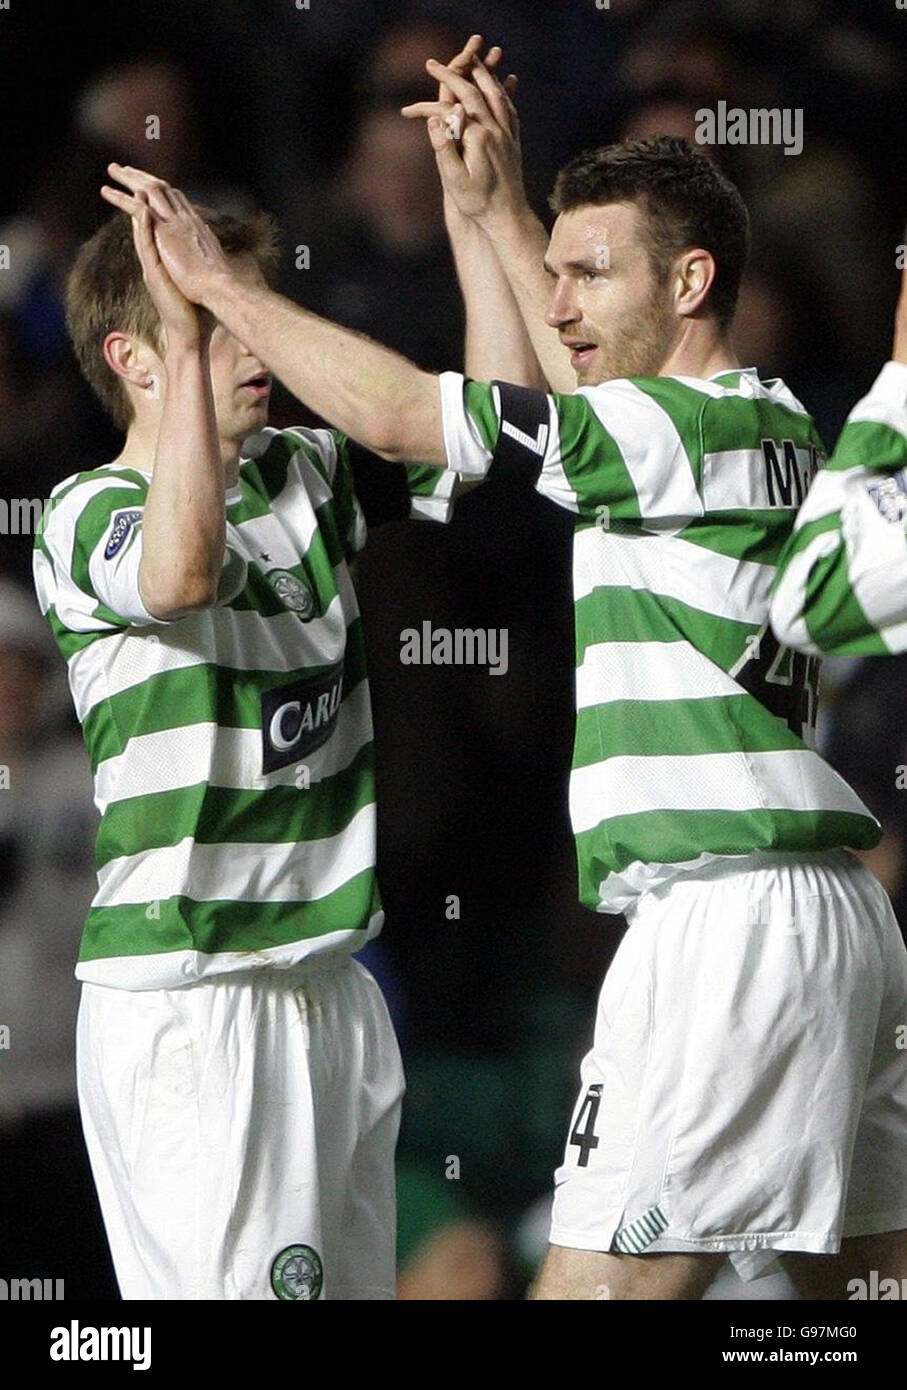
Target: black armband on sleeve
[(380, 486), (523, 439)]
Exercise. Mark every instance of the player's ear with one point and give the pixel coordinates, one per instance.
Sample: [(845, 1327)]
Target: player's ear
[(124, 356), (695, 274)]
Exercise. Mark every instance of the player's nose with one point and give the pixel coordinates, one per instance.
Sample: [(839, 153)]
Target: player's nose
[(562, 308)]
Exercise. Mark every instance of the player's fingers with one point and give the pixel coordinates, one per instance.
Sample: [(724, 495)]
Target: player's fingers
[(493, 57), (446, 127), (464, 59), (146, 247), (464, 90), (494, 94), (182, 204), (461, 63), (124, 201), (143, 240), (474, 147), (437, 134), (160, 200), (137, 180), (145, 222), (427, 108), (132, 178), (143, 231), (510, 86), (447, 154)]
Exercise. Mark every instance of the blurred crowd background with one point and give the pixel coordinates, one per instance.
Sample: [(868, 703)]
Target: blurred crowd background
[(263, 103)]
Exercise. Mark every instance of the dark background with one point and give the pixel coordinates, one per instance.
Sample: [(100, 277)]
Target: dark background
[(264, 104)]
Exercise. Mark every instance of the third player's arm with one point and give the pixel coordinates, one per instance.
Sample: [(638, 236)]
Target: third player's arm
[(842, 580)]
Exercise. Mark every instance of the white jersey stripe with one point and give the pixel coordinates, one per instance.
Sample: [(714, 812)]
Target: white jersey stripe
[(652, 449), (662, 670), (242, 639), (735, 480), (242, 873), (702, 578), (788, 780)]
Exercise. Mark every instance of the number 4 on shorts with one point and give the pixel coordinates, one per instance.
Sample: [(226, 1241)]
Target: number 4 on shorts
[(585, 1139)]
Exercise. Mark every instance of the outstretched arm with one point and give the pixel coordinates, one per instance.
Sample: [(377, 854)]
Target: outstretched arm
[(365, 390), (555, 441)]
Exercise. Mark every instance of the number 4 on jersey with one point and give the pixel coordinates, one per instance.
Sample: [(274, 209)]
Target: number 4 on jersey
[(782, 680), (585, 1139)]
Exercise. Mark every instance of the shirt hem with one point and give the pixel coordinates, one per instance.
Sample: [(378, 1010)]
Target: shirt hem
[(176, 969)]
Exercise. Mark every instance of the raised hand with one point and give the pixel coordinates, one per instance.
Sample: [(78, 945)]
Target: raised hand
[(454, 114), (479, 163), (188, 250), (182, 323)]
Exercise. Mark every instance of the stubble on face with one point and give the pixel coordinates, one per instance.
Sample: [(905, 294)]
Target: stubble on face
[(634, 343), (626, 314)]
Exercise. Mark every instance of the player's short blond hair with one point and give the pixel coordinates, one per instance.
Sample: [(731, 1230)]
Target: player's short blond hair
[(105, 292)]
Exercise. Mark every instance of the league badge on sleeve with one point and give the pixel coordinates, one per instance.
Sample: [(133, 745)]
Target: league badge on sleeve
[(890, 496), (121, 528)]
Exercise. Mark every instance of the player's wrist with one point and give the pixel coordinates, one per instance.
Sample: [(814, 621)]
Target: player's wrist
[(216, 287), (509, 221), (461, 228)]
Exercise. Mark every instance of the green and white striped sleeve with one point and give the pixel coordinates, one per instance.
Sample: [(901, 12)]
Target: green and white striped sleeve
[(428, 495), (371, 492), (348, 514), (432, 492), (842, 580), (88, 551), (616, 449)]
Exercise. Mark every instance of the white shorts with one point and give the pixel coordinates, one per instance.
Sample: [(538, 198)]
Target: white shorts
[(747, 1086), (241, 1132)]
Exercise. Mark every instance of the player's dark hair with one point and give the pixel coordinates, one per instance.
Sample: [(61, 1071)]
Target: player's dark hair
[(686, 199), (105, 292)]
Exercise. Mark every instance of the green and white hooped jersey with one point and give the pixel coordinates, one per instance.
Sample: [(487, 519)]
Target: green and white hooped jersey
[(232, 749), (842, 583), (694, 726)]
